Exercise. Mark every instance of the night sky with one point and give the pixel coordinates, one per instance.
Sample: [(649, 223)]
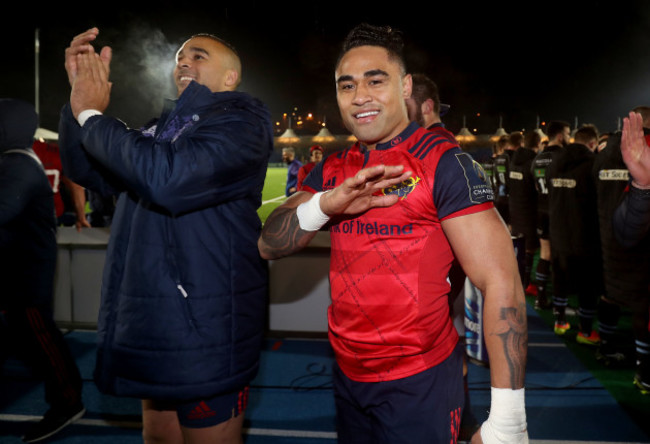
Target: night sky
[(584, 60)]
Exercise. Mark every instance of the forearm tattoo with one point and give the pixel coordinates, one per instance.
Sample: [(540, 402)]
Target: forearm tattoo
[(513, 332), (282, 235)]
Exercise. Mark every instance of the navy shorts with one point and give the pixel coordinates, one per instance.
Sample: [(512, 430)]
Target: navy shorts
[(423, 408), (208, 412)]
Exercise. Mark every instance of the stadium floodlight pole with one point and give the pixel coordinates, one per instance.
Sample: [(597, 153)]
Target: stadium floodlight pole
[(36, 76)]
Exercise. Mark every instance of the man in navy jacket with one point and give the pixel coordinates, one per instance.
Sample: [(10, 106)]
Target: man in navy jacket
[(27, 266), (184, 289)]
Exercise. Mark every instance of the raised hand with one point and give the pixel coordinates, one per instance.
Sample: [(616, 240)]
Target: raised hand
[(635, 150), (81, 44), (282, 235), (357, 194), (91, 88)]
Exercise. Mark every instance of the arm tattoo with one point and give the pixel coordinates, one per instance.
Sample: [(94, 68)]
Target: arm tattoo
[(282, 235), (514, 335)]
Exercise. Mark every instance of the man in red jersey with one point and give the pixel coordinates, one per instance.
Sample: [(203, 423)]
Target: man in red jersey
[(403, 203), (315, 156)]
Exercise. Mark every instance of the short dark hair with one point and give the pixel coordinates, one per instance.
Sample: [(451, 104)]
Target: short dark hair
[(370, 35), (424, 88), (516, 138), (555, 127), (585, 134), (532, 139)]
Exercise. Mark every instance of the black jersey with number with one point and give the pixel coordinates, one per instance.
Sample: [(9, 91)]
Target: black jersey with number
[(540, 163), (501, 170)]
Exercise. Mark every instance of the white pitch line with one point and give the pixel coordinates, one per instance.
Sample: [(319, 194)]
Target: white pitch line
[(290, 433), (275, 199)]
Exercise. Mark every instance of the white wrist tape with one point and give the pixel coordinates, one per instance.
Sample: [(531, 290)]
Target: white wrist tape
[(507, 420), (87, 114), (310, 216)]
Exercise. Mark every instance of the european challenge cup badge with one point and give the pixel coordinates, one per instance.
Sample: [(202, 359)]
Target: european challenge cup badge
[(402, 189), (478, 185)]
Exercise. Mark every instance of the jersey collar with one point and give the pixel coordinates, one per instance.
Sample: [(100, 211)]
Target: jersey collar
[(436, 125), (401, 137)]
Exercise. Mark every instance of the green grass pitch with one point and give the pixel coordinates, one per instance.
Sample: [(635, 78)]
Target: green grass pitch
[(273, 192)]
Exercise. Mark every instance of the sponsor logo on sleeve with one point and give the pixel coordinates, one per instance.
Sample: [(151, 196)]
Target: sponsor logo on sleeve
[(478, 184)]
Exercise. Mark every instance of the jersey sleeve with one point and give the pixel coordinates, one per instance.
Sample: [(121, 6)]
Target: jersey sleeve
[(461, 186), (313, 183)]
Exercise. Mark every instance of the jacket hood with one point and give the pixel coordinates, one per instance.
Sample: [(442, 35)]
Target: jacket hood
[(522, 156), (200, 95), (18, 124), (572, 155)]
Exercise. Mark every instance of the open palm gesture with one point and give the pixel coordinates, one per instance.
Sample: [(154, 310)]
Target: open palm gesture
[(635, 150)]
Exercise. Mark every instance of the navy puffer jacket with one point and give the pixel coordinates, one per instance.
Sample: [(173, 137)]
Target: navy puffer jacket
[(27, 223), (184, 291)]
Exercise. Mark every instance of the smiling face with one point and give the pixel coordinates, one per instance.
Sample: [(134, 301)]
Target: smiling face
[(371, 92), (207, 62)]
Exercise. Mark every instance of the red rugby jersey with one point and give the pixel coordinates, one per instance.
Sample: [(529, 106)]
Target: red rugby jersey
[(49, 155), (389, 315)]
